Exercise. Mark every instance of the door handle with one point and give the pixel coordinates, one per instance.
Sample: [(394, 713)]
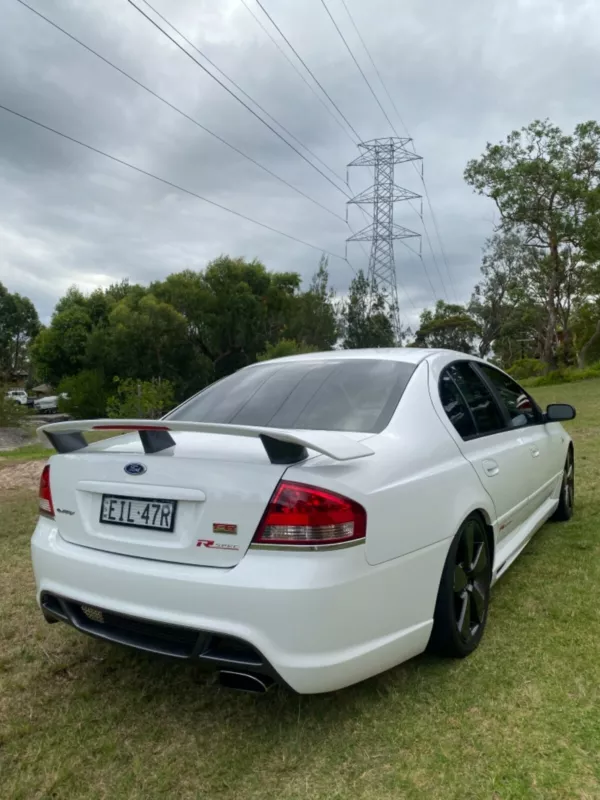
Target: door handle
[(534, 451), (490, 467)]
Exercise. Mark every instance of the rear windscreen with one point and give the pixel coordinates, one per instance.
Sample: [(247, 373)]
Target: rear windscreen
[(346, 395)]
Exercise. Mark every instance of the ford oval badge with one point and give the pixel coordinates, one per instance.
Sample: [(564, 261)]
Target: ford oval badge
[(135, 469)]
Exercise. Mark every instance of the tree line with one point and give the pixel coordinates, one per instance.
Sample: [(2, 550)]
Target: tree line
[(535, 308)]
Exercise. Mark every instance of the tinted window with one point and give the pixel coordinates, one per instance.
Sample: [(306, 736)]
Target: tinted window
[(486, 413), (521, 408), (349, 395), (455, 407)]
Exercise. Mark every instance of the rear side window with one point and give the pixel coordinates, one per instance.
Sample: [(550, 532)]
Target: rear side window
[(482, 404), (521, 408), (455, 407), (346, 395)]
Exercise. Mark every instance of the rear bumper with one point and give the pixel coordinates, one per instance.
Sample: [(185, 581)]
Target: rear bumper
[(315, 621), (205, 647)]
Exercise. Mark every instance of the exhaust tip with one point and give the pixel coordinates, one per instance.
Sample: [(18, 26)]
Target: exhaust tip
[(245, 682)]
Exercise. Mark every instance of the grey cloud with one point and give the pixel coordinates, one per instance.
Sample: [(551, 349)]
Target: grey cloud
[(460, 73)]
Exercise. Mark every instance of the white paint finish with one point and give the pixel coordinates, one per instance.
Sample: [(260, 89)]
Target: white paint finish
[(208, 491), (323, 619), (515, 478), (502, 465), (417, 489)]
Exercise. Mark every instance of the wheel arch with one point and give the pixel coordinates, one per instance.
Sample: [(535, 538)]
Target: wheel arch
[(489, 529)]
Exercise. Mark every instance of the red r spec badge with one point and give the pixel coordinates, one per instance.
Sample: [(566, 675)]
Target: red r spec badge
[(212, 545)]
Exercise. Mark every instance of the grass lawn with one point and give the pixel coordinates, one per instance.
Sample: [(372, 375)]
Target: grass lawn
[(36, 450), (519, 719)]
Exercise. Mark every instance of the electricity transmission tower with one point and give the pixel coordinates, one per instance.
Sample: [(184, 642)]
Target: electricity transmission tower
[(383, 155)]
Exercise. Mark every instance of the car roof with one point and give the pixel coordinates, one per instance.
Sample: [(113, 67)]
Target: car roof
[(408, 355)]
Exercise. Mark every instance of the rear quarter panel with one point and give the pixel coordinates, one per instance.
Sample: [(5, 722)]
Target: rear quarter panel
[(417, 488)]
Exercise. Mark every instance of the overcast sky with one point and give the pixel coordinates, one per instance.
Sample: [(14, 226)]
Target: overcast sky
[(461, 73)]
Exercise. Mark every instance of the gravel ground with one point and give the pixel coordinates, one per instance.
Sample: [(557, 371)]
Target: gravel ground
[(14, 437), (20, 476)]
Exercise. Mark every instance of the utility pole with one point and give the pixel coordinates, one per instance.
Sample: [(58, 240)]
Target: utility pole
[(383, 155)]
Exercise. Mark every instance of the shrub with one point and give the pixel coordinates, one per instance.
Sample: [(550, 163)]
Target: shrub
[(12, 414), (565, 375), (86, 395), (140, 399), (285, 347), (526, 368)]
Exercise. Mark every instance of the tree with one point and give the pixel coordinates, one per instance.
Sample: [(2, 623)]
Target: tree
[(19, 323), (449, 327), (504, 304), (233, 309), (140, 399), (59, 350), (86, 395), (365, 321), (314, 322), (147, 338), (546, 186), (284, 348)]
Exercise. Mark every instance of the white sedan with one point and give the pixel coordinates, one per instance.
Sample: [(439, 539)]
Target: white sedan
[(310, 521)]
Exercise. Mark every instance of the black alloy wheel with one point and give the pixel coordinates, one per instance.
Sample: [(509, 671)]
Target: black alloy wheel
[(471, 585), (564, 510), (463, 598)]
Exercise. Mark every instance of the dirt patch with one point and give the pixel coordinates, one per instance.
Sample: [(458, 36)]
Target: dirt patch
[(20, 476), (14, 437)]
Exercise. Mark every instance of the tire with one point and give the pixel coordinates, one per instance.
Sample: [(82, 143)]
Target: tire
[(461, 608), (564, 510)]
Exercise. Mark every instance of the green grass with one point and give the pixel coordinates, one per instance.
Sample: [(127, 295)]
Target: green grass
[(518, 719), (29, 452)]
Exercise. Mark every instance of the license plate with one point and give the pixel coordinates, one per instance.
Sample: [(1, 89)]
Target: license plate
[(137, 512)]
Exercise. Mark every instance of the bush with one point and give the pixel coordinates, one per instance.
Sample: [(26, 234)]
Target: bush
[(140, 399), (565, 375), (526, 368), (86, 395), (12, 413), (285, 347)]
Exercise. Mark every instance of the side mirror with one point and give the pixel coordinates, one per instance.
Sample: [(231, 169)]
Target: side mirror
[(559, 412), (520, 421)]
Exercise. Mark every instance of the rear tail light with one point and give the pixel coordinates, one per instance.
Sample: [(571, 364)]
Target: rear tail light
[(45, 495), (304, 515)]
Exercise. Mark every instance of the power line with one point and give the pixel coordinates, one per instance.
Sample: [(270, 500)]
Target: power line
[(437, 233), (218, 81), (239, 88), (229, 91), (366, 80), (168, 183), (420, 174), (307, 68), (295, 68), (179, 111), (375, 68)]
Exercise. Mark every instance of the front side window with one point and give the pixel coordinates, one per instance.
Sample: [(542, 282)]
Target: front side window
[(521, 408), (482, 404)]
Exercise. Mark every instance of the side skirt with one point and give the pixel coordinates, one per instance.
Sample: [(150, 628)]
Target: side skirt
[(510, 550)]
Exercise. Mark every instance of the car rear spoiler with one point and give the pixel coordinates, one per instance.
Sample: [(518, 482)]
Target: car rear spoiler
[(282, 446)]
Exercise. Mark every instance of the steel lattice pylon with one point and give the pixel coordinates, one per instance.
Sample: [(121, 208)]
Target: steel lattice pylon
[(383, 155)]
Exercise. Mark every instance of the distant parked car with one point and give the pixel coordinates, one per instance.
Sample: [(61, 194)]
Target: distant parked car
[(48, 405), (18, 395)]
